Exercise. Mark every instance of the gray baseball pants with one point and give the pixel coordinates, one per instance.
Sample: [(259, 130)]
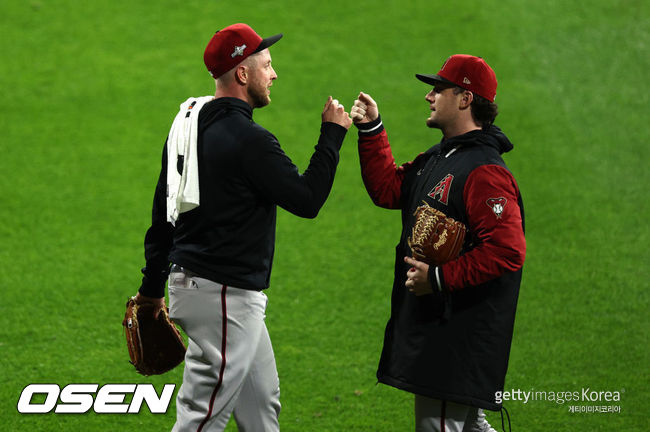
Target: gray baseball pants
[(229, 365), (433, 415)]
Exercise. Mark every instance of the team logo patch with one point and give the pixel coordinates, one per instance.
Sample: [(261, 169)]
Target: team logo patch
[(441, 190), (497, 205)]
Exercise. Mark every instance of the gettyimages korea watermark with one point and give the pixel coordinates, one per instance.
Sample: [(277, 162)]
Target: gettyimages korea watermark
[(82, 398), (585, 400)]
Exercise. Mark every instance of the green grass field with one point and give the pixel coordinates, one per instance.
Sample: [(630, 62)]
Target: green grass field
[(89, 90)]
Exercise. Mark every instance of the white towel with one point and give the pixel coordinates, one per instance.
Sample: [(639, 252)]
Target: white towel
[(183, 187)]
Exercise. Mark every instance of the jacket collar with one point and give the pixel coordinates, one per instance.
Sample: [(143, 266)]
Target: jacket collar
[(231, 104), (490, 136)]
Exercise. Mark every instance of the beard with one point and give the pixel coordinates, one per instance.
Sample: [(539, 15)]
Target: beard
[(258, 95)]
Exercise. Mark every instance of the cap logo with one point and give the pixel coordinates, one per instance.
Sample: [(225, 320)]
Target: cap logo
[(466, 81), (239, 51)]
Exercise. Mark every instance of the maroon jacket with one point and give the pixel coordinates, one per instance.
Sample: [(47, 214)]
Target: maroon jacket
[(453, 344)]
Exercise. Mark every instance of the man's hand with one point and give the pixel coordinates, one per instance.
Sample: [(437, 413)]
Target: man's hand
[(334, 112), (159, 303), (418, 277), (364, 110)]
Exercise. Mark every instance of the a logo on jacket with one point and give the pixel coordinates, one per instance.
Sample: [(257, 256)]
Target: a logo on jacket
[(441, 190), (497, 205)]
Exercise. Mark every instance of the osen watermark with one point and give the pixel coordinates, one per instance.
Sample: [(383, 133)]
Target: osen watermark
[(82, 398)]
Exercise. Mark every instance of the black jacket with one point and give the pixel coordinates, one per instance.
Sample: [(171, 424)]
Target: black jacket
[(243, 176), (453, 345)]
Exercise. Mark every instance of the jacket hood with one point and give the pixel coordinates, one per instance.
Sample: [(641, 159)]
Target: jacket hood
[(491, 136), (499, 140)]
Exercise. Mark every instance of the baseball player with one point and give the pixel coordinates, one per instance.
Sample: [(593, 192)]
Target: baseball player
[(213, 236), (448, 338)]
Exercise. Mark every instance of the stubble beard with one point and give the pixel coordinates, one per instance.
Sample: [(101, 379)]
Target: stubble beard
[(259, 96)]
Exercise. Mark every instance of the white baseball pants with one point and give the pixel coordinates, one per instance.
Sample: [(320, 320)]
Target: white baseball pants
[(433, 415), (229, 365)]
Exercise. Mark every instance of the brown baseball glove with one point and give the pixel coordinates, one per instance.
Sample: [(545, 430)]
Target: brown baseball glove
[(155, 345), (435, 238)]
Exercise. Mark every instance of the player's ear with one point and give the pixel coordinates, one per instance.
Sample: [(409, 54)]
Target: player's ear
[(466, 99), (242, 74)]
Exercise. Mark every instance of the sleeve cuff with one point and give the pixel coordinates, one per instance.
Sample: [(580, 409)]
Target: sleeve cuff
[(372, 128), (335, 133), (153, 287), (437, 279)]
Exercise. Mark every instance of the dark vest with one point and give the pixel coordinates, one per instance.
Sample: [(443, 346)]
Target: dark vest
[(455, 346)]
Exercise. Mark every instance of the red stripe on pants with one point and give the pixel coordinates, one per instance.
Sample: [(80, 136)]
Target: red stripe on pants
[(224, 328), (442, 416)]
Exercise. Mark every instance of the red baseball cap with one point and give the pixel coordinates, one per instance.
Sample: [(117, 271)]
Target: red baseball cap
[(468, 72), (230, 46)]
